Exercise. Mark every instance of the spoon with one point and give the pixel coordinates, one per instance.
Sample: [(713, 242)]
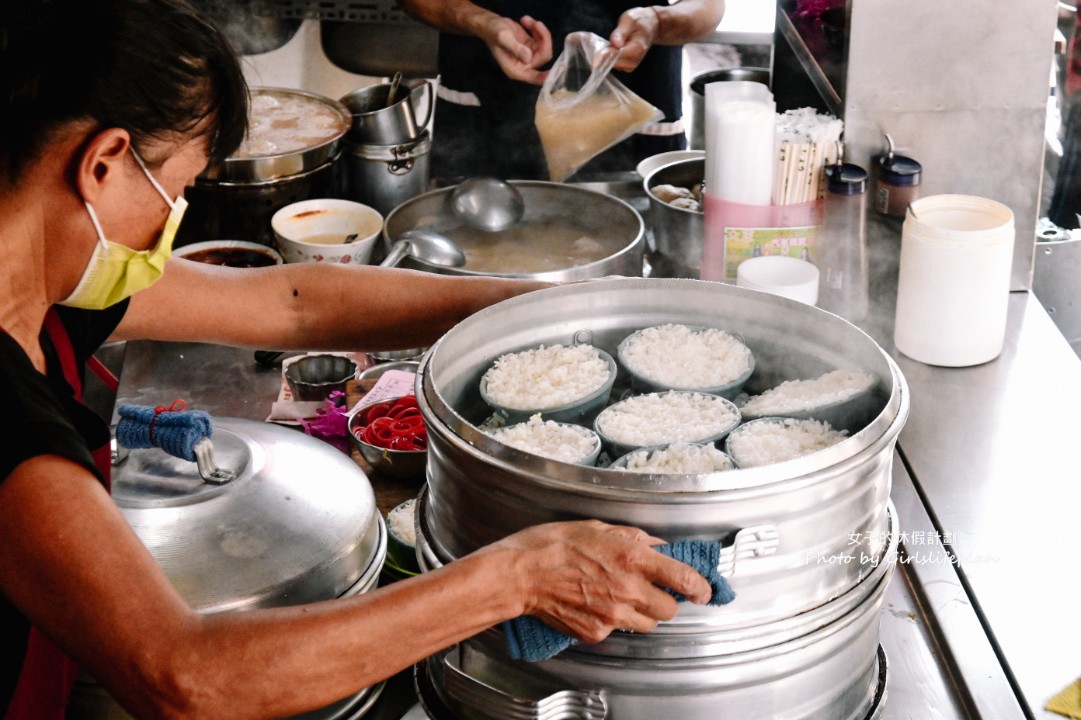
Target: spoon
[(487, 203), (427, 246), (393, 92)]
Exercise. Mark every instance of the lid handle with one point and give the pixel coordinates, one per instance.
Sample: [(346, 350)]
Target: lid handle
[(180, 433)]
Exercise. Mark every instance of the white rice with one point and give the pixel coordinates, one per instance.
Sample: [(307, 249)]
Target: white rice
[(668, 417), (546, 377), (771, 441), (678, 458), (682, 357), (804, 395), (547, 438), (400, 522)]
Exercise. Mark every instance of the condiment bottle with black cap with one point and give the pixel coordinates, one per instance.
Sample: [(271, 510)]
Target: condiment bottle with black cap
[(841, 243), (897, 182)]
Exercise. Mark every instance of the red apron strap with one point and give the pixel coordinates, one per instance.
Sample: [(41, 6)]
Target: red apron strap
[(48, 675)]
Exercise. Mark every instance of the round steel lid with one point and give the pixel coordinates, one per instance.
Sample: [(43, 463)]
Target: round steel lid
[(298, 524)]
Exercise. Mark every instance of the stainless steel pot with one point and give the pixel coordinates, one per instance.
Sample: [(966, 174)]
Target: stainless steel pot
[(260, 168), (823, 663), (609, 221), (788, 526), (678, 233)]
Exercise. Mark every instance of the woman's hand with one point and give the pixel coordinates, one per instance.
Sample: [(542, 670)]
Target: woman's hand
[(520, 48), (589, 578)]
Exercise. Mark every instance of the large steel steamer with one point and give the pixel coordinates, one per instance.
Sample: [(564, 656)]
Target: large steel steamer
[(809, 543)]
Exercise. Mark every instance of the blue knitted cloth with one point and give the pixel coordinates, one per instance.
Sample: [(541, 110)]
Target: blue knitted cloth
[(531, 640), (174, 431)]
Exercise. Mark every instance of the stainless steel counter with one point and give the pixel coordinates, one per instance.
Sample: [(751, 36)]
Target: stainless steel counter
[(980, 620)]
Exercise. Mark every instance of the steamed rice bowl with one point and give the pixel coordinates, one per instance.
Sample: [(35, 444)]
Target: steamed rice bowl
[(546, 377), (547, 438), (803, 396), (676, 459), (682, 357), (668, 417), (773, 440)]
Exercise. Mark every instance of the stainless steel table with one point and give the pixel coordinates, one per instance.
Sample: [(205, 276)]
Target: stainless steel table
[(980, 620)]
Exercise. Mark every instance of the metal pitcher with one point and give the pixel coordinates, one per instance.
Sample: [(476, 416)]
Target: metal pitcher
[(375, 122)]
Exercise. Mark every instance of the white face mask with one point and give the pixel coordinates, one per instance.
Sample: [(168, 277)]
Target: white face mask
[(115, 271)]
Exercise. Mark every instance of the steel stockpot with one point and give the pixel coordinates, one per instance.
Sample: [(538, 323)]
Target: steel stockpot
[(788, 528), (566, 233), (823, 663)]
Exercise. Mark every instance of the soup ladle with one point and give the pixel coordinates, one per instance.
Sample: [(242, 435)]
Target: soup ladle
[(427, 246), (487, 203)]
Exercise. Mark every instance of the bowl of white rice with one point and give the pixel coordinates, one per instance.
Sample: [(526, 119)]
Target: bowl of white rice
[(663, 418), (566, 383), (676, 459), (771, 440), (835, 397), (674, 356), (561, 441), (402, 538)]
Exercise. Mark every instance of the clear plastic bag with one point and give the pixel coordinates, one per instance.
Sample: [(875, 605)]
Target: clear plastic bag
[(582, 111)]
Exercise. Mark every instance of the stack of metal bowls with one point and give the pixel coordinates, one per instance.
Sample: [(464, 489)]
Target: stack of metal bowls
[(808, 543)]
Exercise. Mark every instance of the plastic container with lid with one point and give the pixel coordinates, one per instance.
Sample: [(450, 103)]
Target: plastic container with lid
[(897, 182), (841, 243)]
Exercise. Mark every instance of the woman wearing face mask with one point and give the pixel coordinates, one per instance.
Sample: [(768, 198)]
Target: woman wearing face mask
[(112, 108)]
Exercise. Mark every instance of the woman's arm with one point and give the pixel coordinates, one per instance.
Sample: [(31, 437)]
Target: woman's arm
[(309, 306), (72, 564)]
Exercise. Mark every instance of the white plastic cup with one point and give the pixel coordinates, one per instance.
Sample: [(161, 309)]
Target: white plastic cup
[(954, 281), (782, 275)]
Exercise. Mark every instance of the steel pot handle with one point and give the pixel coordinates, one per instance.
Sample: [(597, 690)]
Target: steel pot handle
[(495, 703), (748, 543)]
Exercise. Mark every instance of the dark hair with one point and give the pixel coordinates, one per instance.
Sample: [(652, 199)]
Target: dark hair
[(152, 67)]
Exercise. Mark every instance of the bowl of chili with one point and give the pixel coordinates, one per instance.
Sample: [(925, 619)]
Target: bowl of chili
[(392, 437)]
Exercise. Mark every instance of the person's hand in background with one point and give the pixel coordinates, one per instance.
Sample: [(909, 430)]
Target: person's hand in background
[(521, 48)]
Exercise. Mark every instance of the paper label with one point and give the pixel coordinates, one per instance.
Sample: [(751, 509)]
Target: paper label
[(391, 384), (741, 243)]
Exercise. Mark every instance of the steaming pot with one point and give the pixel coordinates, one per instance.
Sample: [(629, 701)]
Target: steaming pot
[(237, 197), (803, 538)]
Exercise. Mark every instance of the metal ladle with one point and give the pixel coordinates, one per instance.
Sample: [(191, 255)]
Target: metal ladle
[(427, 246), (487, 204)]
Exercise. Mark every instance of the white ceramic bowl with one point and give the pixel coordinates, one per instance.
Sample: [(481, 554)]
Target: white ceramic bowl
[(317, 230), (646, 167), (231, 253), (781, 275)]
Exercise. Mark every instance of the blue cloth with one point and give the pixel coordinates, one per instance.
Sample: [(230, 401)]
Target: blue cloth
[(175, 432), (531, 640)]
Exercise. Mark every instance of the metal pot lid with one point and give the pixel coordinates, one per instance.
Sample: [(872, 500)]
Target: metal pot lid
[(298, 523)]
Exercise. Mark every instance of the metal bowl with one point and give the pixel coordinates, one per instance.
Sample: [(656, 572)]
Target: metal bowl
[(645, 383), (678, 233), (619, 447), (316, 376), (588, 459), (750, 426), (249, 168), (621, 461), (403, 465), (581, 410)]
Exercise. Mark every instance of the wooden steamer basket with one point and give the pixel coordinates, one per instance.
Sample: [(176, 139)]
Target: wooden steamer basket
[(788, 527)]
